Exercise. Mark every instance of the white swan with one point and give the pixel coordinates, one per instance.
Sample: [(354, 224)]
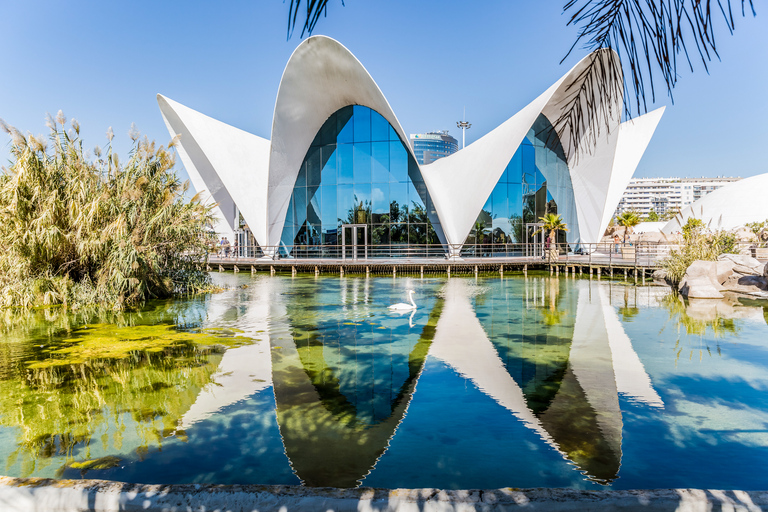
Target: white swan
[(403, 306)]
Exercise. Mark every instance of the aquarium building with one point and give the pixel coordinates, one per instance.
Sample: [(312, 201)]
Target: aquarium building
[(339, 174)]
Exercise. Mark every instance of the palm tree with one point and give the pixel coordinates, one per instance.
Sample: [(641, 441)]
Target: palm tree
[(552, 222), (650, 37), (628, 220)]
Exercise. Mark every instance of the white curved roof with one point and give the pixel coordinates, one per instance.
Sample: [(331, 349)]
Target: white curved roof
[(729, 207), (322, 77)]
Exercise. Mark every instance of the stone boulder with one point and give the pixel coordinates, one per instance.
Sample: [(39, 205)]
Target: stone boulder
[(660, 276), (744, 265), (700, 281), (723, 270)]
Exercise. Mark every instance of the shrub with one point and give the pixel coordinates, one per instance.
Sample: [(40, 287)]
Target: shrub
[(76, 230), (698, 244)]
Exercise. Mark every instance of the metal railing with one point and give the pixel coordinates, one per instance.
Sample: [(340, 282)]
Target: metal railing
[(636, 254)]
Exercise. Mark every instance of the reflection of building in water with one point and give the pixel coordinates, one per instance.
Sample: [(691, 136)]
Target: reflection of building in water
[(562, 380), (341, 395), (343, 384)]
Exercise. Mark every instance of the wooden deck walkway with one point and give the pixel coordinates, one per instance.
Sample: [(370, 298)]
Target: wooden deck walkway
[(598, 264)]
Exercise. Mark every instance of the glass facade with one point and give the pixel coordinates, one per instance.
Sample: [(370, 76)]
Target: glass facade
[(358, 171), (535, 182)]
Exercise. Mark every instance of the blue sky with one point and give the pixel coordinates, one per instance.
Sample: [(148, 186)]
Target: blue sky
[(104, 62)]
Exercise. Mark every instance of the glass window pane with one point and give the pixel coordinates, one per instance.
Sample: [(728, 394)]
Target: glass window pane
[(499, 196), (328, 201), (380, 202), (300, 205), (380, 234), (346, 204), (362, 162), (327, 134), (344, 125), (345, 163), (362, 117), (393, 134), (363, 193), (398, 233), (330, 233), (328, 176), (398, 197), (398, 162), (314, 208), (379, 127), (301, 179), (415, 192), (417, 234), (313, 167), (380, 161)]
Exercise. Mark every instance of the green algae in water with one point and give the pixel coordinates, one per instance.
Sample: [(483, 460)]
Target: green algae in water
[(109, 341)]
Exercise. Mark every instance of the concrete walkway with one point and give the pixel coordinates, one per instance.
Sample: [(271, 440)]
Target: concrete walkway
[(38, 495)]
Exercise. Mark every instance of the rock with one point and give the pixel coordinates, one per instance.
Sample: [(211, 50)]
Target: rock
[(765, 270), (660, 275), (751, 285), (744, 265), (724, 270), (700, 281)]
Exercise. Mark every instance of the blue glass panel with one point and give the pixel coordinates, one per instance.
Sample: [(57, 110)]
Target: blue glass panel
[(529, 158), (328, 200), (344, 162), (380, 202), (363, 193), (398, 197), (380, 157), (300, 205), (314, 211), (393, 134), (328, 176), (380, 234), (398, 162), (515, 167), (330, 234), (301, 179), (327, 134), (290, 216), (345, 203), (379, 127), (344, 125), (398, 233), (313, 167), (500, 208), (414, 198), (362, 162), (362, 116), (515, 199)]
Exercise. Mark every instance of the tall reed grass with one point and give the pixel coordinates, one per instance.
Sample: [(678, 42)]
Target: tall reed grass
[(79, 230)]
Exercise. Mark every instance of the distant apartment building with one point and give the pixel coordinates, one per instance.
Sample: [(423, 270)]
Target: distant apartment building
[(432, 146), (664, 195)]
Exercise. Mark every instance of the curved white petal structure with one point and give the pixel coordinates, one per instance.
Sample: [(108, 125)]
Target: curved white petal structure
[(729, 207), (229, 163), (322, 76)]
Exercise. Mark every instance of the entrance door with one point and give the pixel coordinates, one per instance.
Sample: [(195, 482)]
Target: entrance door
[(354, 241), (534, 242)]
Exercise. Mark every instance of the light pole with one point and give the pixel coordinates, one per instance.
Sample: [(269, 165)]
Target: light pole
[(464, 127)]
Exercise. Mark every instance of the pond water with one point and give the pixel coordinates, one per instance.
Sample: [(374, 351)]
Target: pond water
[(514, 382)]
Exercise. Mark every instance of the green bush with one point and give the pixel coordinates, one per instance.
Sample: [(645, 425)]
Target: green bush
[(698, 244), (77, 230)]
